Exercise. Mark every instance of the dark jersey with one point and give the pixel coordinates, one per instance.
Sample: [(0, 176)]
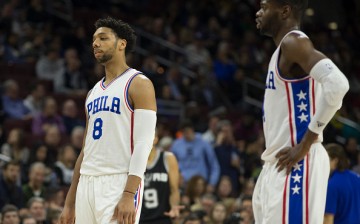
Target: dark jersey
[(156, 192)]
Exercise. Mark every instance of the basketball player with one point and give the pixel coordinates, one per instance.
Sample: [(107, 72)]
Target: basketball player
[(107, 184), (161, 188), (304, 89)]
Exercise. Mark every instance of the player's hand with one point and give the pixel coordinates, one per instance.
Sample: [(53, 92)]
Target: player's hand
[(175, 211), (67, 215), (289, 156), (124, 212)]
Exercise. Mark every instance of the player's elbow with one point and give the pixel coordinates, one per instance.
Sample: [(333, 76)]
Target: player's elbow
[(335, 92)]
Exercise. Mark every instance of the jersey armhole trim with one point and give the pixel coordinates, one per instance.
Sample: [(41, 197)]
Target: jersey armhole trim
[(126, 91)]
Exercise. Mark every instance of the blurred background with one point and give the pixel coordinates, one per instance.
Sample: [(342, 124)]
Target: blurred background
[(208, 64)]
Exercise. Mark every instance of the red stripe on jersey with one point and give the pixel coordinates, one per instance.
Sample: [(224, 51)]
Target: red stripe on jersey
[(313, 94), (101, 84), (284, 201), (290, 117)]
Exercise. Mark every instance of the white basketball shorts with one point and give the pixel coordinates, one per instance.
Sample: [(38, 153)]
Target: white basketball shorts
[(97, 197), (297, 198)]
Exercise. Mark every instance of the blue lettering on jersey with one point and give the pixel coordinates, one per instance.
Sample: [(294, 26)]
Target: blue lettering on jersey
[(96, 105), (105, 108), (270, 81), (115, 106), (102, 104)]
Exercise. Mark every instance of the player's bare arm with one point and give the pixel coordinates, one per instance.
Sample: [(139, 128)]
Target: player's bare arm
[(174, 177), (142, 98), (299, 51), (329, 219)]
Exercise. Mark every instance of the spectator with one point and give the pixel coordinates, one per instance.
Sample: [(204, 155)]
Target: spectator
[(55, 197), (227, 154), (70, 116), (198, 57), (10, 192), (71, 81), (14, 106), (28, 219), (174, 81), (224, 66), (224, 191), (196, 157), (218, 213), (76, 138), (12, 53), (351, 150), (10, 214), (246, 207), (35, 100), (343, 195), (39, 154), (193, 218), (205, 206), (37, 209), (205, 93), (36, 13), (53, 216), (50, 65), (195, 188), (35, 186), (64, 167), (210, 134), (15, 147), (47, 117), (52, 141)]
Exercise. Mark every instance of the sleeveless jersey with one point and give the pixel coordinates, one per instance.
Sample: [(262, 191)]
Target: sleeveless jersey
[(109, 139), (289, 105), (156, 192)]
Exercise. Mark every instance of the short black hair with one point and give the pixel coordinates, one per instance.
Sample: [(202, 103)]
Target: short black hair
[(121, 29), (8, 208), (297, 6), (11, 163), (336, 151)]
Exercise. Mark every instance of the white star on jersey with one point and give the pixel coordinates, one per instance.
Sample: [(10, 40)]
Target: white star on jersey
[(296, 178), (297, 166), (295, 189), (303, 117), (301, 95), (302, 106)]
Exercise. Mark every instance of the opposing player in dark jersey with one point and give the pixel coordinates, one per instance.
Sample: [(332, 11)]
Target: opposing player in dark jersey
[(161, 191)]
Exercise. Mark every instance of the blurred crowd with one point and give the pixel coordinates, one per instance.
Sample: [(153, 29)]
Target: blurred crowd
[(47, 67)]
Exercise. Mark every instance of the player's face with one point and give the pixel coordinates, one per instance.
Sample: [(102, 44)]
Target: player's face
[(104, 44), (267, 17)]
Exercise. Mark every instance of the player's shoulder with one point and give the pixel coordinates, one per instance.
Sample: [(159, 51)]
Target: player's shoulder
[(168, 154), (295, 40)]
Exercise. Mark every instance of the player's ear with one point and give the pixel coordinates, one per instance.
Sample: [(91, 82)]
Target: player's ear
[(286, 11), (122, 44)]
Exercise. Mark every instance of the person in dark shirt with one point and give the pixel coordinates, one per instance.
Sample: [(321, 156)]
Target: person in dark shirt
[(10, 192), (161, 188)]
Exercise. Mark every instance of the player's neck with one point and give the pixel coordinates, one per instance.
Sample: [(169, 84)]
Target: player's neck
[(113, 69), (285, 29)]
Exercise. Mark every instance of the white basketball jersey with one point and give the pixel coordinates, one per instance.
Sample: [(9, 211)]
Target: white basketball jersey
[(289, 105), (109, 139)]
